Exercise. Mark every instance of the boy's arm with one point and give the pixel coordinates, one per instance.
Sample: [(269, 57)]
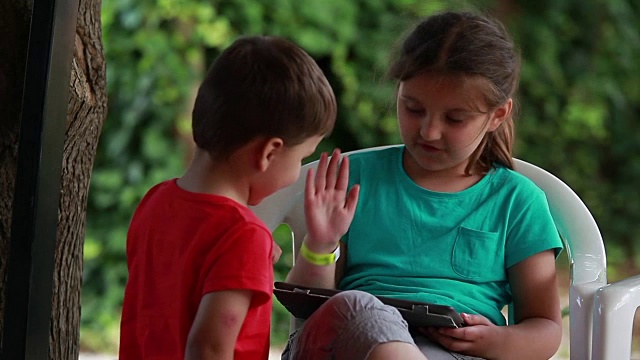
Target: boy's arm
[(215, 330), (329, 209)]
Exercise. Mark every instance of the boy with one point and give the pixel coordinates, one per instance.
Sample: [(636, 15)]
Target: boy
[(200, 262)]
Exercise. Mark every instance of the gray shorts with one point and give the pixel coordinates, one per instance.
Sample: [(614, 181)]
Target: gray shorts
[(349, 325)]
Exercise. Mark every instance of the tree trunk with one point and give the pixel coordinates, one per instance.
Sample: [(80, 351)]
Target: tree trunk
[(85, 116)]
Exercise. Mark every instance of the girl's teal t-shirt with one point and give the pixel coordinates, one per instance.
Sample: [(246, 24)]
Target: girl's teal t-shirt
[(410, 243)]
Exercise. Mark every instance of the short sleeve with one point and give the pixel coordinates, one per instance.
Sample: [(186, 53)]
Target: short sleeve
[(242, 261), (531, 229)]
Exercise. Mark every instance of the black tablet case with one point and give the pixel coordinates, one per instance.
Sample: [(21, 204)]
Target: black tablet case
[(302, 301)]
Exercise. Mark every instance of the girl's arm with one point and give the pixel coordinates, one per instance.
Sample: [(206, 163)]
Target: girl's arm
[(329, 209), (536, 308), (215, 330), (538, 329)]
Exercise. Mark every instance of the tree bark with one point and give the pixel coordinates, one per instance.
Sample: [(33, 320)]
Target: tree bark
[(85, 116)]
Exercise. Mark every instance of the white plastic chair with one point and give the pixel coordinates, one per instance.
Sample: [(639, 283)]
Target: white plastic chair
[(601, 314)]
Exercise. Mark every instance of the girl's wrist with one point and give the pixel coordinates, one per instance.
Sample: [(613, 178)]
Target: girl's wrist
[(320, 247)]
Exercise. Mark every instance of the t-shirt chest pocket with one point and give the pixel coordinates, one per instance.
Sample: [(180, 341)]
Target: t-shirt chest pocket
[(478, 255)]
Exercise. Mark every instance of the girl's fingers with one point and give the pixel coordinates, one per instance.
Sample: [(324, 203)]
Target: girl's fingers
[(470, 319), (466, 333), (332, 170)]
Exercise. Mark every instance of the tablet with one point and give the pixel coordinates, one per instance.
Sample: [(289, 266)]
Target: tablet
[(302, 301)]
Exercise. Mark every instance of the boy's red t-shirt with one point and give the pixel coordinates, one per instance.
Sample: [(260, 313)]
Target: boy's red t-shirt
[(181, 246)]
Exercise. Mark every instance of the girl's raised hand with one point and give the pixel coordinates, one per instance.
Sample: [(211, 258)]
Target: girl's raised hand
[(328, 207)]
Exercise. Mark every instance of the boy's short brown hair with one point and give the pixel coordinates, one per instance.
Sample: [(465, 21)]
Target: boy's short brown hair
[(261, 86)]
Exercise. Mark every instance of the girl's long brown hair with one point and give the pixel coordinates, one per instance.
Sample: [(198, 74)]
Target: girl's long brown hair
[(466, 44)]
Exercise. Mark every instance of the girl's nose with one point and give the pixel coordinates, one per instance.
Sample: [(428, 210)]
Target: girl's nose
[(430, 129)]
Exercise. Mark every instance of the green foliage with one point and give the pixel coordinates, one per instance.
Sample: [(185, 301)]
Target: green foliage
[(578, 96), (580, 108), (153, 56)]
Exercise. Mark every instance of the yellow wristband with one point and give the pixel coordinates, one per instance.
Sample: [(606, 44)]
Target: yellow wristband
[(319, 259)]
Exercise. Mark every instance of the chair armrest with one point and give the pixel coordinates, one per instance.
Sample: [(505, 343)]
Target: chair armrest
[(613, 312), (588, 274), (581, 297)]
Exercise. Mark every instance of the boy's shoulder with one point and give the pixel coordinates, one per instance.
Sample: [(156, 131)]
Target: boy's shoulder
[(168, 194), (169, 209), (158, 189)]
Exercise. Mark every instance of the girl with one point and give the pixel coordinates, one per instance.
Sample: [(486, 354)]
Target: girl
[(442, 219)]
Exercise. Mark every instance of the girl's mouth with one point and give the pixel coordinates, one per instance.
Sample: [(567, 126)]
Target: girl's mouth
[(429, 148)]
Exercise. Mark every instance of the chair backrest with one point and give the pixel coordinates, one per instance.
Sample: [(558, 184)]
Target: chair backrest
[(585, 248), (576, 226)]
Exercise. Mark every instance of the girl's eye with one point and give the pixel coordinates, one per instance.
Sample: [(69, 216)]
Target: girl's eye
[(454, 120), (413, 110)]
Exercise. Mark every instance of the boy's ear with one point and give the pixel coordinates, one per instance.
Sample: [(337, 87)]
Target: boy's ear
[(267, 151), (500, 114)]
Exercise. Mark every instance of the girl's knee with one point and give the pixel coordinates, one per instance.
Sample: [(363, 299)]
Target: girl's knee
[(345, 307), (353, 301)]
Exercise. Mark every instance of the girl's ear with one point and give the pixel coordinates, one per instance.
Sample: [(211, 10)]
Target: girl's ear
[(267, 150), (500, 114)]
